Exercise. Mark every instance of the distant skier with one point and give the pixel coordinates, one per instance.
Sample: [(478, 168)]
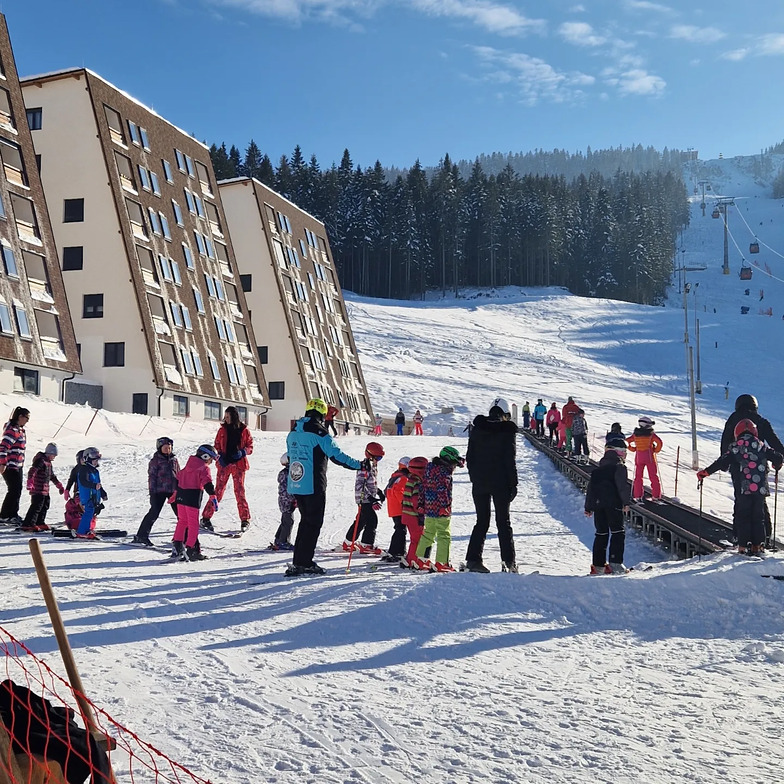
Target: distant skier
[(540, 411), (377, 430), (552, 420), (329, 419), (73, 508), (418, 419), (646, 445), (580, 437), (606, 499), (12, 455), (526, 415), (567, 414), (614, 433), (750, 454), (161, 482), (400, 421)]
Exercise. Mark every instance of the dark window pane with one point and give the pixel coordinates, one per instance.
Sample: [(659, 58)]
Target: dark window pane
[(114, 354), (74, 211), (277, 390), (263, 354), (93, 306), (73, 257), (246, 281), (139, 404)]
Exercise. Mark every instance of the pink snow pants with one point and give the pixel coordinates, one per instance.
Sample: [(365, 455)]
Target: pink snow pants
[(187, 529), (238, 476), (643, 460)]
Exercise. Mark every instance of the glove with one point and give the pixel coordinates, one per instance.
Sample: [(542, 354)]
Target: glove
[(60, 489), (238, 455), (67, 495), (99, 509), (104, 495), (377, 506), (172, 498), (222, 461), (381, 496), (214, 502), (778, 461), (702, 474), (29, 485), (513, 493)]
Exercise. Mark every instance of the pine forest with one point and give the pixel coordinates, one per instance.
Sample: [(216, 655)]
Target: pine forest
[(398, 234)]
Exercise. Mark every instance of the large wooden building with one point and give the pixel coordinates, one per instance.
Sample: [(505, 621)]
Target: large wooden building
[(38, 351), (296, 304), (161, 321)]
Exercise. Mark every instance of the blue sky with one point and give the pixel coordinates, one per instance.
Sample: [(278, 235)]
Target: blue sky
[(397, 80)]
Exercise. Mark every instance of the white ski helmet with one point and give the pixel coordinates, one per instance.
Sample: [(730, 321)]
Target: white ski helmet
[(645, 421), (499, 402), (284, 458)]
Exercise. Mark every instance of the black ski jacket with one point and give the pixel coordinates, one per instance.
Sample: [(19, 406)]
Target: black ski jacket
[(492, 455), (608, 487), (764, 430)]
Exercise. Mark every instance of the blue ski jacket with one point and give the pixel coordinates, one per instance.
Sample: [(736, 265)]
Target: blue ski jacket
[(309, 446)]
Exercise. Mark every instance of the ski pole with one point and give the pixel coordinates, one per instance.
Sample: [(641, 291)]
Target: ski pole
[(775, 505), (699, 527), (353, 538)]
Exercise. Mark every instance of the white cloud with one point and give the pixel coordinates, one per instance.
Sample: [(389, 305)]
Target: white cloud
[(697, 35), (771, 44), (636, 81), (494, 17), (296, 11), (644, 5), (534, 79), (580, 34), (736, 55)]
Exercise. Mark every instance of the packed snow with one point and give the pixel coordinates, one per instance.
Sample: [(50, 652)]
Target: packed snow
[(668, 674)]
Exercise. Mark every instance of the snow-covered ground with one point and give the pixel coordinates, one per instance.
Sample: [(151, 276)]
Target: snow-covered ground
[(665, 675)]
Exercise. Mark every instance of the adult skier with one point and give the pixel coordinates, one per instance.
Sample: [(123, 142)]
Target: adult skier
[(492, 468)]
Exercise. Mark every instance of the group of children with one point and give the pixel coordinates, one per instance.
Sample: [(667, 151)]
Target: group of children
[(567, 428)]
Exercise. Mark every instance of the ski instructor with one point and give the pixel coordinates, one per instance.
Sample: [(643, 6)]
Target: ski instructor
[(491, 461), (309, 445)]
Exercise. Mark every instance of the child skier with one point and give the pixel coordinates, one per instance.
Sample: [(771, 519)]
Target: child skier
[(527, 415), (38, 478), (369, 498), (73, 509), (607, 498), (287, 504), (580, 436), (540, 411), (614, 433), (394, 496), (646, 445), (162, 482), (552, 420), (412, 508), (91, 493), (437, 491), (751, 455), (418, 419), (191, 480), (379, 420)]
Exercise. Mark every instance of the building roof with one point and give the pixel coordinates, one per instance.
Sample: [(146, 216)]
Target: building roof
[(64, 72), (235, 180)]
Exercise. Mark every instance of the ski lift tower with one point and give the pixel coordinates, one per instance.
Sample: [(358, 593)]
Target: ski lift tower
[(721, 204), (703, 184)]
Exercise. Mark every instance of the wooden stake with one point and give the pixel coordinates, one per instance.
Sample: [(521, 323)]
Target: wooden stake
[(65, 649)]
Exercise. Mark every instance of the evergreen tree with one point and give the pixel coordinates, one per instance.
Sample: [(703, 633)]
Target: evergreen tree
[(236, 163), (224, 170), (253, 160)]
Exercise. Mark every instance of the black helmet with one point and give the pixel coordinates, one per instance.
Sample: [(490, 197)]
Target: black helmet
[(746, 403), (163, 441)]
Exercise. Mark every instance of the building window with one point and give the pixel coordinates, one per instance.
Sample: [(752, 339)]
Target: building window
[(187, 360), (114, 354), (10, 261), (156, 188), (180, 405), (176, 314), (145, 140), (139, 403), (242, 413), (180, 158), (73, 257), (144, 177), (133, 128), (92, 306), (165, 267), (2, 206), (186, 252), (199, 301), (231, 370), (178, 213), (5, 319), (247, 282), (263, 352), (165, 226), (34, 118), (212, 410), (21, 322), (277, 390), (214, 368), (26, 381), (186, 319), (175, 268), (167, 170), (73, 211)]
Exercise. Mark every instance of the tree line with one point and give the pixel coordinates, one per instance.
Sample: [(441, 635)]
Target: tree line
[(398, 237)]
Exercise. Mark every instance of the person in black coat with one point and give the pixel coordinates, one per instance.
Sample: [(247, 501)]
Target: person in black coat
[(607, 497), (746, 408), (492, 467)]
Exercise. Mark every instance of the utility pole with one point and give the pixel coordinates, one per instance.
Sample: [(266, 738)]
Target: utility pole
[(722, 203), (702, 184)]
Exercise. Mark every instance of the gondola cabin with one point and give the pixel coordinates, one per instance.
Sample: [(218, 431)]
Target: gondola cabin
[(715, 213), (754, 247), (745, 273)]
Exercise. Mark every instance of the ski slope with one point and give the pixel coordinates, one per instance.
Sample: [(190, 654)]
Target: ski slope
[(244, 676)]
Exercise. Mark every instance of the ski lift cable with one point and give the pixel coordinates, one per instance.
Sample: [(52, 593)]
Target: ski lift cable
[(772, 250), (745, 262)]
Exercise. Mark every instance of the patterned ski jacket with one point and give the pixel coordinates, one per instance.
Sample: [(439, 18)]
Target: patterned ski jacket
[(437, 488), (366, 484), (643, 440), (309, 447), (579, 425), (40, 475), (191, 480), (12, 446), (286, 501), (162, 473), (418, 418), (413, 500), (394, 492), (751, 455)]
